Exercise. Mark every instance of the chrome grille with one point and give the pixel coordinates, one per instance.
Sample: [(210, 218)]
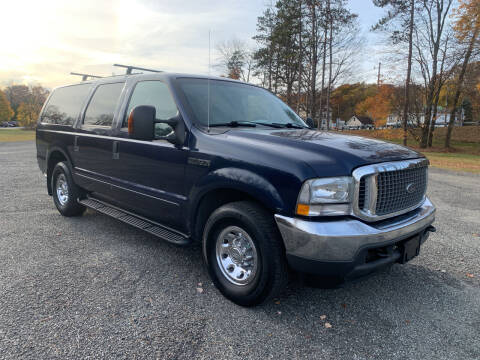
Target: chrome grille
[(389, 189), (400, 190)]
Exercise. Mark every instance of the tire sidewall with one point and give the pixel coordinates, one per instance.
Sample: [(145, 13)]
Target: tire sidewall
[(241, 294), (71, 205)]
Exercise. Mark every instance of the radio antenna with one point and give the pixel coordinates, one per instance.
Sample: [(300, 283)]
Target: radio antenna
[(208, 83)]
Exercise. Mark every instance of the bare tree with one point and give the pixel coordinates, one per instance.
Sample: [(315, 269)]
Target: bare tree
[(235, 59), (430, 39)]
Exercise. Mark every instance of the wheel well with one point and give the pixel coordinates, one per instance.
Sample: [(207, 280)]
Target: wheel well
[(213, 200), (53, 160)]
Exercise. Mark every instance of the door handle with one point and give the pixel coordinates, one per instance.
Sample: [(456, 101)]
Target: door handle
[(75, 143), (116, 154)]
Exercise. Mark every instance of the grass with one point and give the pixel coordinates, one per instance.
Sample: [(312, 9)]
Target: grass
[(455, 161), (9, 135), (464, 154)]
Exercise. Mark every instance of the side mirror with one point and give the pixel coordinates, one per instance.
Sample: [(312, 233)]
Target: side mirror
[(141, 123), (177, 136), (310, 122)]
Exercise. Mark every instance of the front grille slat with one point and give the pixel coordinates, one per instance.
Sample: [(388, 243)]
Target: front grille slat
[(397, 190)]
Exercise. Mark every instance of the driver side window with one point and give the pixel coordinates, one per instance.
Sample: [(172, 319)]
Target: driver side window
[(154, 93)]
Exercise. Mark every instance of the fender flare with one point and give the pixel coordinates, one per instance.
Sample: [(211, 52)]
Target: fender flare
[(242, 180), (50, 151)]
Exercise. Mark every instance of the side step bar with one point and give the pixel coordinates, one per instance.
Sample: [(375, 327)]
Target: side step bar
[(135, 220)]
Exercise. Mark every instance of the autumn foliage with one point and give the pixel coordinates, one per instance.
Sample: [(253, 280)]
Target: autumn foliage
[(377, 106), (6, 111)]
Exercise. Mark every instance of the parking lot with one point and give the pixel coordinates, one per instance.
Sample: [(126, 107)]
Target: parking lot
[(92, 287)]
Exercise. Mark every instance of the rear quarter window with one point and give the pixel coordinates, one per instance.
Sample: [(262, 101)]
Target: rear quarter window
[(65, 104), (101, 109)]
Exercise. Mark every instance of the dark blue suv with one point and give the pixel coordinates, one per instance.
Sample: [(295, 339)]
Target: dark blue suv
[(192, 158)]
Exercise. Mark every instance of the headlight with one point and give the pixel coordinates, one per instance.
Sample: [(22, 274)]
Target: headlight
[(325, 196)]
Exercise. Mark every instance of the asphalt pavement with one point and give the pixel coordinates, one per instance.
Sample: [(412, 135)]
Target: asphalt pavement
[(92, 287)]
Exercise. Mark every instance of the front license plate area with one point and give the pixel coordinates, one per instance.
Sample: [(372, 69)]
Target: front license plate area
[(411, 248)]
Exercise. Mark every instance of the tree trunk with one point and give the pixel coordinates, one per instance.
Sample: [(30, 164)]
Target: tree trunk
[(329, 66), (323, 75), (432, 123), (299, 96), (313, 79), (458, 91), (406, 108)]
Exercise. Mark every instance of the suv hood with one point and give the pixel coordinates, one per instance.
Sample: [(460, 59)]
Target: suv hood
[(341, 153)]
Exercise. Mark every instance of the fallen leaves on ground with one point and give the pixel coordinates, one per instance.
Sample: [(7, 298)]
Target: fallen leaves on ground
[(470, 275), (323, 317), (328, 325), (199, 290)]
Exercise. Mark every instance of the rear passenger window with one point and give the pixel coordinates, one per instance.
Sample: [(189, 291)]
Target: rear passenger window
[(154, 93), (65, 104), (101, 108)]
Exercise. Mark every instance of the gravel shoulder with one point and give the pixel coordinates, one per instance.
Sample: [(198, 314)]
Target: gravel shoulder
[(92, 287)]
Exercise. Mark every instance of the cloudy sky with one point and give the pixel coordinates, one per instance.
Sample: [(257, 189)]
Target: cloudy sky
[(42, 41)]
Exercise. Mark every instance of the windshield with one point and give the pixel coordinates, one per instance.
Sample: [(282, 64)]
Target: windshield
[(235, 103)]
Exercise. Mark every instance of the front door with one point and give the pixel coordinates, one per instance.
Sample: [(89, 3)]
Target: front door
[(149, 175)]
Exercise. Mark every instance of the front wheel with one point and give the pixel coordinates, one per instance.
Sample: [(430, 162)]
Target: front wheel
[(244, 253)]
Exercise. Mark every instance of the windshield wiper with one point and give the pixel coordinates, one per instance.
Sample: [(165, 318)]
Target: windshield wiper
[(235, 124), (288, 125)]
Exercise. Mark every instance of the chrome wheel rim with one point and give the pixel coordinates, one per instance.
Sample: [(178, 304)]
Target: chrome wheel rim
[(62, 189), (236, 255)]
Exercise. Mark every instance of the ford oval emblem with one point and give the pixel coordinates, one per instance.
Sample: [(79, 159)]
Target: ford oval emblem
[(411, 188)]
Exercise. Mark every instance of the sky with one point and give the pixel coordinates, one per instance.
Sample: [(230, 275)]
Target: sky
[(43, 41)]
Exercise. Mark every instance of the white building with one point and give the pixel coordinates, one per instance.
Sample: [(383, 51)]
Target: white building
[(395, 120), (359, 122)]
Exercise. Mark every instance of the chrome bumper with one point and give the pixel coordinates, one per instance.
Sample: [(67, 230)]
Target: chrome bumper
[(341, 240)]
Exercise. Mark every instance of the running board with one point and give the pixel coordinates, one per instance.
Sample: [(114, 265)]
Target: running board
[(136, 221)]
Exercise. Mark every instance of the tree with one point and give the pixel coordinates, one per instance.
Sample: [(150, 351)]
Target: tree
[(405, 10), (293, 36), (235, 59), (467, 28), (347, 96), (27, 114), (431, 43), (6, 111), (378, 106), (18, 94)]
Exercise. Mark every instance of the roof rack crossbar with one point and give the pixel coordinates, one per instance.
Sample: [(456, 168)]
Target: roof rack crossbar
[(85, 76), (131, 67)]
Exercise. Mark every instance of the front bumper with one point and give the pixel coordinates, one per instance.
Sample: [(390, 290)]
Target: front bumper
[(343, 247)]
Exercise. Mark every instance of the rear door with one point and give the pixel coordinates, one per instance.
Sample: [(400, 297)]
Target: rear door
[(150, 174), (60, 113), (93, 143)]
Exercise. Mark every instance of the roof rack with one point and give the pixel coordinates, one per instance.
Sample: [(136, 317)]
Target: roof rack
[(85, 76), (131, 67)]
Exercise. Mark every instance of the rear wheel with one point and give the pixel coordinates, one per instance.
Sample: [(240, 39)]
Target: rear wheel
[(65, 192), (244, 253)]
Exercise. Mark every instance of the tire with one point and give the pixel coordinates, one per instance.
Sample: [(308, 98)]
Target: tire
[(242, 237), (64, 191)]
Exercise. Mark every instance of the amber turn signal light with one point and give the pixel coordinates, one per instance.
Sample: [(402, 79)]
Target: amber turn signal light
[(303, 209), (130, 123)]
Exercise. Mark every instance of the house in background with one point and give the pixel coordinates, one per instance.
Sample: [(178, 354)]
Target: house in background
[(359, 122), (394, 120)]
